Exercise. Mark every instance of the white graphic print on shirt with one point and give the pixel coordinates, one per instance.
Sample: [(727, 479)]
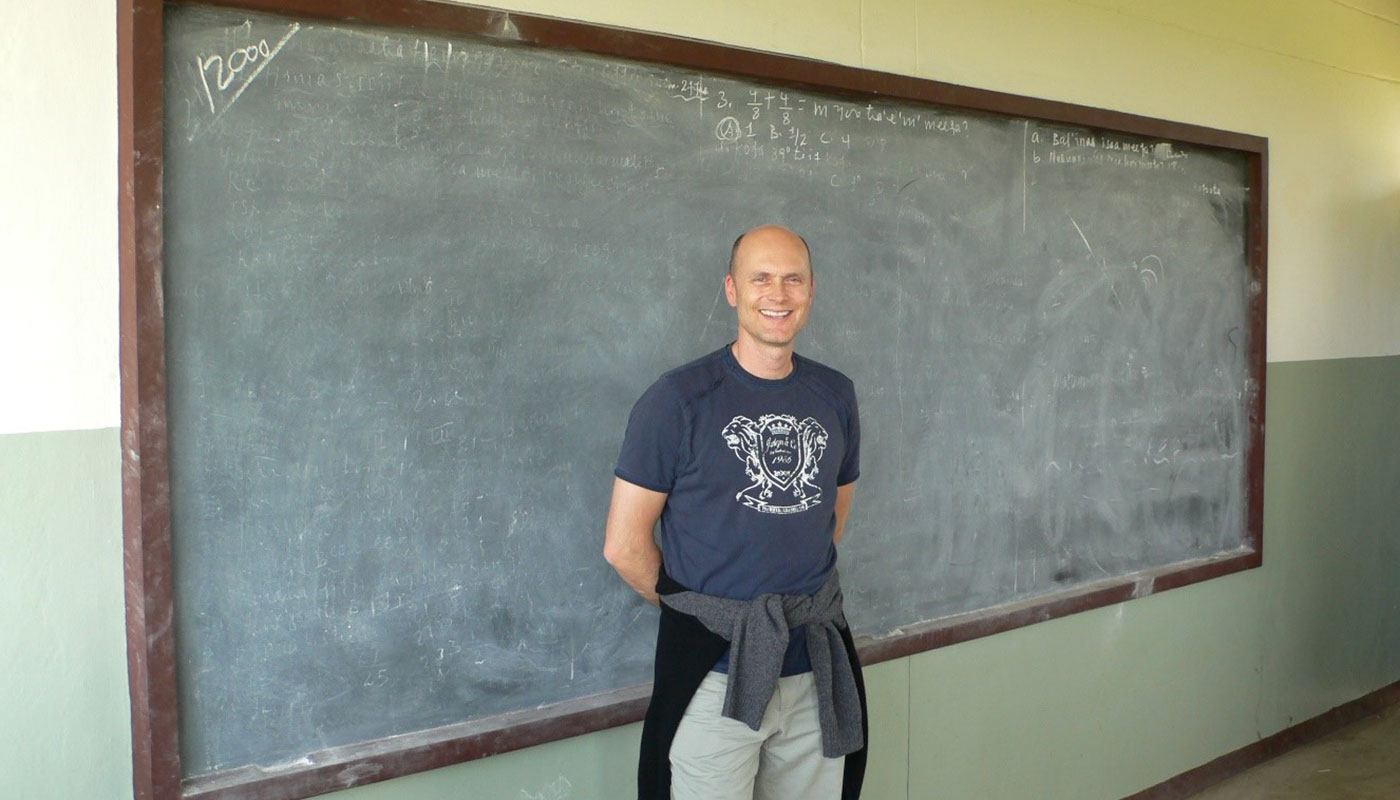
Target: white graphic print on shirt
[(780, 455)]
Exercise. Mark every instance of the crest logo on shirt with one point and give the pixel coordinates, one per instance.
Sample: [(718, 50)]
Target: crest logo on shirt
[(780, 456)]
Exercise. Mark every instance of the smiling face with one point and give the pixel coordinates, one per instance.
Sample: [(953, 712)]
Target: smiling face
[(771, 285)]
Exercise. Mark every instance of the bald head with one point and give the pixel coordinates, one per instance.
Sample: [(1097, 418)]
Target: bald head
[(763, 235)]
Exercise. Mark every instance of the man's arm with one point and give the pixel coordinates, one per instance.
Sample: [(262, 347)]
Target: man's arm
[(629, 546), (843, 508)]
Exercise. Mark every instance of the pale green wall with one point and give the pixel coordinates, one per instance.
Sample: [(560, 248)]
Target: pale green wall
[(1096, 705), (64, 715), (1102, 704)]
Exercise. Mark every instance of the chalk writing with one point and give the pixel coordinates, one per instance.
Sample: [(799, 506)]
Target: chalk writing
[(413, 282), (226, 68)]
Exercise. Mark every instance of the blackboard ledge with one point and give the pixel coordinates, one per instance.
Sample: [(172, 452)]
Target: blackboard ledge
[(404, 754), (377, 760), (957, 628)]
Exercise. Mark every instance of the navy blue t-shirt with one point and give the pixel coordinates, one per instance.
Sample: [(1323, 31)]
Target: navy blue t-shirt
[(751, 468)]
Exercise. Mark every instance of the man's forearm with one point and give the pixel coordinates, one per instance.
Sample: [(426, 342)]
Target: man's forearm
[(629, 546), (640, 568), (843, 509)]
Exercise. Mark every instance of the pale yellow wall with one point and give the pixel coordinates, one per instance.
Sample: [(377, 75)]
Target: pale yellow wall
[(58, 216), (1320, 78)]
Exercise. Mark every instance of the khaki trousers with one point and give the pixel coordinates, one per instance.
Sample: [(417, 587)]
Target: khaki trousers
[(717, 758)]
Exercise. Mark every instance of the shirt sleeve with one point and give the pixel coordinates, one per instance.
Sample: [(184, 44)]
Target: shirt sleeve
[(850, 464), (653, 446)]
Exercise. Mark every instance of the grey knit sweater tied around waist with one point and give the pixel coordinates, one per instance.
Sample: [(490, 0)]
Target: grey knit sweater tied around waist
[(757, 632)]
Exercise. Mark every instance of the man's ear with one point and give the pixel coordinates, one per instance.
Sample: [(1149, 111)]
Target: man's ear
[(730, 293)]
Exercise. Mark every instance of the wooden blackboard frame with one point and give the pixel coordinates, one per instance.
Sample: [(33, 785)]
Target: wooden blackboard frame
[(145, 467)]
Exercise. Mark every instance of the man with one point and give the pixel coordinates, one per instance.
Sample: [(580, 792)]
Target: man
[(748, 457)]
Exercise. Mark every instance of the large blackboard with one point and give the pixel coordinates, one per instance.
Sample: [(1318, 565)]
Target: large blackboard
[(412, 284)]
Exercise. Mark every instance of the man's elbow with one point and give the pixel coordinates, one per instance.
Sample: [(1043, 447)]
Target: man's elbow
[(633, 560), (613, 554), (620, 555)]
